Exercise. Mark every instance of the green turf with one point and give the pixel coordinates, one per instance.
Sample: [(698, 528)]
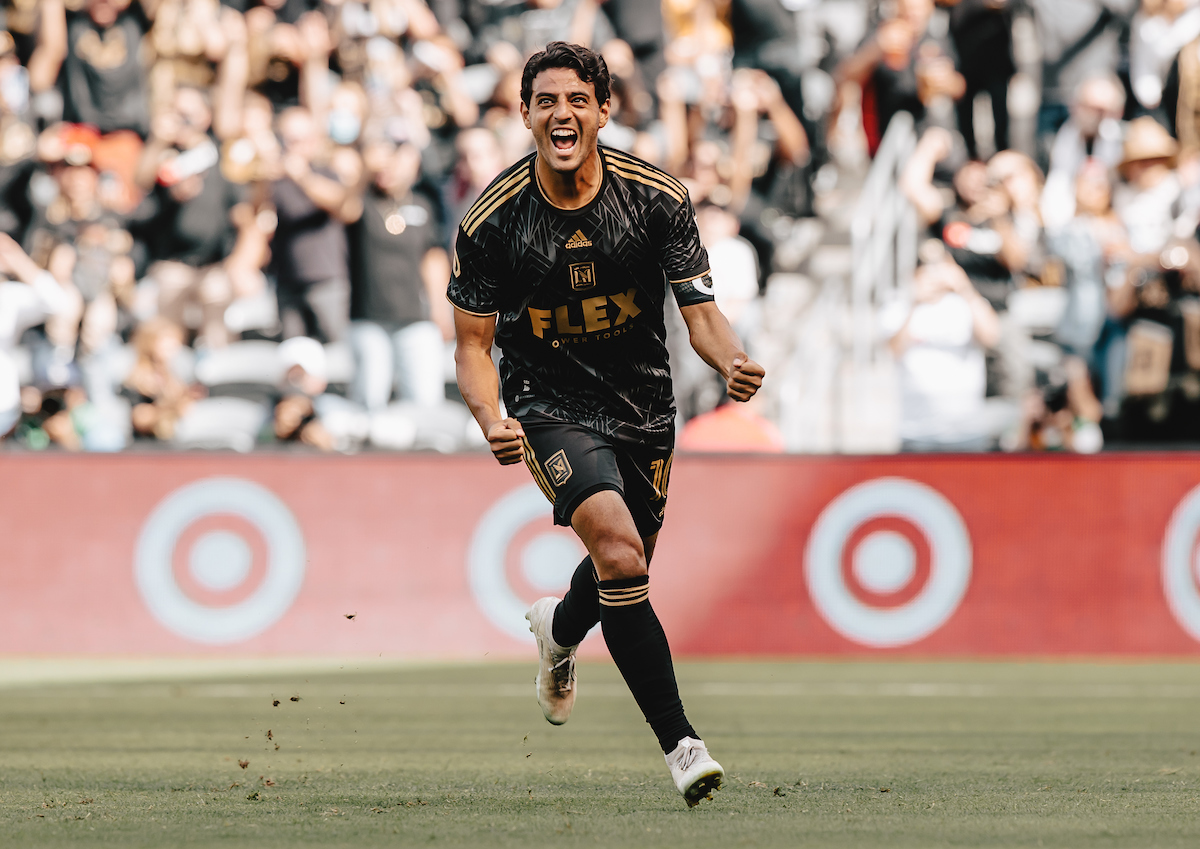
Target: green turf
[(838, 754)]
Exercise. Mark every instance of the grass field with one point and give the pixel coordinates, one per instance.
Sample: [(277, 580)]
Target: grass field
[(818, 754)]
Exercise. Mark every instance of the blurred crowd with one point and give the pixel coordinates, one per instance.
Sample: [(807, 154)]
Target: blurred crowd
[(1056, 305), (227, 223)]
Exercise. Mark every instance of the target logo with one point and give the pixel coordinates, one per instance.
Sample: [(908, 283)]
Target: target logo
[(219, 561), (516, 556), (1181, 564), (888, 562)]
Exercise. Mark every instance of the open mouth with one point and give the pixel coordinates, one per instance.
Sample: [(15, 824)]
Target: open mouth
[(563, 138)]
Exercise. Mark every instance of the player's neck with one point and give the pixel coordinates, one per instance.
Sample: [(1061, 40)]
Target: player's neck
[(571, 189)]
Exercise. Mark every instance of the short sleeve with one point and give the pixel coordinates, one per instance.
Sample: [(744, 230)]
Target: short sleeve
[(684, 258), (474, 287)]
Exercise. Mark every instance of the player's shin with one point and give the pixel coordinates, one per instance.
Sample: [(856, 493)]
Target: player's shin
[(579, 610), (638, 646)]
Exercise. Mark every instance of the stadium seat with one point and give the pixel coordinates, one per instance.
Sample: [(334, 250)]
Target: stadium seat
[(222, 423)]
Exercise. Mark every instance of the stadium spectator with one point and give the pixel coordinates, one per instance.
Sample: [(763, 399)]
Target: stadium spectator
[(734, 263), (27, 298), (1149, 199), (1019, 182), (1158, 367), (19, 86), (309, 252), (629, 111), (731, 428), (764, 35), (306, 411), (296, 418), (1181, 100), (938, 338), (982, 34), (105, 81), (1093, 130), (478, 163), (1094, 248), (769, 151), (977, 228), (1160, 29), (904, 66), (193, 231), (640, 25), (398, 273), (1079, 39), (158, 396), (78, 232)]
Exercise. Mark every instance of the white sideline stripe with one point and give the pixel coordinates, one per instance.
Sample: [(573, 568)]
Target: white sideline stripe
[(1015, 689), (34, 671), (178, 685)]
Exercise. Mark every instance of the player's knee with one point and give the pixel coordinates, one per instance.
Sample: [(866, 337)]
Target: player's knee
[(618, 557)]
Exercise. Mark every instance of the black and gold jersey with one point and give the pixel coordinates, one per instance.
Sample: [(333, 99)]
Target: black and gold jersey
[(578, 294)]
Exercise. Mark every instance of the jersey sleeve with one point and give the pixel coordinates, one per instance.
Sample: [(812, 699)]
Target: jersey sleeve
[(684, 258), (474, 287)]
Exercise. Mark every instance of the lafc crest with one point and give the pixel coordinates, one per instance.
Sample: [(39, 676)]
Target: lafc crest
[(583, 276), (558, 468)]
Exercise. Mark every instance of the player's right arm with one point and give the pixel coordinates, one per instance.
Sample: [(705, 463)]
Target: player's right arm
[(480, 385), (474, 291)]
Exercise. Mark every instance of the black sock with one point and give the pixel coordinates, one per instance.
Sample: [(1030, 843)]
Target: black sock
[(579, 610), (639, 647)]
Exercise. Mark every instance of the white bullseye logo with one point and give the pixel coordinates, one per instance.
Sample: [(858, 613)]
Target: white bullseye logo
[(1181, 564), (546, 561), (886, 562), (219, 560)]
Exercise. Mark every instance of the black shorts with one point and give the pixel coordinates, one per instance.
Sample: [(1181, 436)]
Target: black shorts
[(571, 462)]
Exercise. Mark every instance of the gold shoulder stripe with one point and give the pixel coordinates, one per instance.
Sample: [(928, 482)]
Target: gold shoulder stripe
[(485, 200), (629, 168), (637, 165), (646, 180), (468, 312), (516, 172), (490, 192), (484, 214)]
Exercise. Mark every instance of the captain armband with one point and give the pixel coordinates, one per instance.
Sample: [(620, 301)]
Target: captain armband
[(694, 290)]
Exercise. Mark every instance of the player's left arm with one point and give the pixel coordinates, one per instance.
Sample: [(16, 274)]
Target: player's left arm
[(717, 344), (685, 262)]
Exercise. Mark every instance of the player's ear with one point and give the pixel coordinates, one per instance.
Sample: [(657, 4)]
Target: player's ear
[(525, 115), (604, 109)]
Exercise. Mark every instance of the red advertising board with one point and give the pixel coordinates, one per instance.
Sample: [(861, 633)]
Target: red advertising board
[(438, 557)]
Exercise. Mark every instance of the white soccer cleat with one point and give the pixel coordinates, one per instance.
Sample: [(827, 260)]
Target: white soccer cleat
[(555, 682), (695, 773)]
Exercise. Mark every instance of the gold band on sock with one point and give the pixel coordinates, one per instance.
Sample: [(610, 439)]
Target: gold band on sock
[(625, 597)]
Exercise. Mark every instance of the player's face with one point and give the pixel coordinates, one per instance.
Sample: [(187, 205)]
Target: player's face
[(565, 117)]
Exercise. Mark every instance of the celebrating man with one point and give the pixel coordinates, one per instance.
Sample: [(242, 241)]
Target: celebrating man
[(564, 262)]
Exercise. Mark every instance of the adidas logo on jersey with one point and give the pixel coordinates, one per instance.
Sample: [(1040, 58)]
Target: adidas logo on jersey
[(578, 241)]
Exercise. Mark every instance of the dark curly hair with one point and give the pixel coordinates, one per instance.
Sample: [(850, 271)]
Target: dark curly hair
[(559, 54)]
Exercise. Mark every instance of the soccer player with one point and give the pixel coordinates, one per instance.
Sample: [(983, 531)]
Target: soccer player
[(564, 262)]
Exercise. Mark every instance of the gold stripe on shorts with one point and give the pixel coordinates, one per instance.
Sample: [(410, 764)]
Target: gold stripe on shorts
[(536, 470)]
